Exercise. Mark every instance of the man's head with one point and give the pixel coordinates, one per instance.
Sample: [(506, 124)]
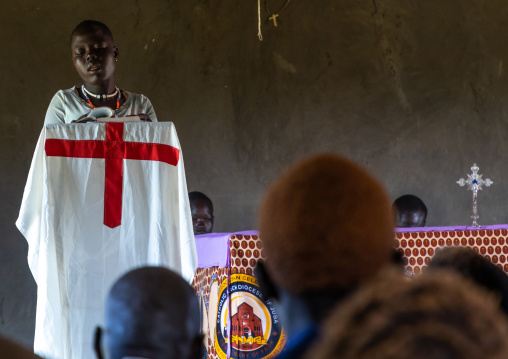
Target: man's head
[(326, 225), (151, 312), (202, 212), (410, 211), (434, 316)]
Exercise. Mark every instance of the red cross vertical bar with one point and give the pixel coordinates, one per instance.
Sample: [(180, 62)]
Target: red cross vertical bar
[(113, 184), (114, 150)]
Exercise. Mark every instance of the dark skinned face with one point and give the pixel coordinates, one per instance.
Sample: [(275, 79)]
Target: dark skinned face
[(202, 217), (93, 55), (411, 219)]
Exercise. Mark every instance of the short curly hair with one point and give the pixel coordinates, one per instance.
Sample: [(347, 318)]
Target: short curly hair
[(200, 196), (435, 316), (325, 224), (472, 265), (85, 24)]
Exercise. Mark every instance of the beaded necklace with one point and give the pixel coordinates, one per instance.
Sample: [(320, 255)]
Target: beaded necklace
[(84, 91), (101, 97)]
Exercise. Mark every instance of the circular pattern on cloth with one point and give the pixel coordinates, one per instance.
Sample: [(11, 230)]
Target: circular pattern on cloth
[(417, 249), (492, 244)]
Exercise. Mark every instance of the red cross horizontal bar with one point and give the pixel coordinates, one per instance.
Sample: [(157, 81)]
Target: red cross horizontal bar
[(97, 149)]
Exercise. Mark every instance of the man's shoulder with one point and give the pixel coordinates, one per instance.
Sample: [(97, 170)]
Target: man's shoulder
[(299, 345)]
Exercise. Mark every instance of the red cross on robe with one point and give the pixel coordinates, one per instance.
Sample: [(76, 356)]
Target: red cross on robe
[(114, 150)]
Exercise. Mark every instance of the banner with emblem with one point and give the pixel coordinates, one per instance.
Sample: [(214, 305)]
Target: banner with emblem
[(237, 321)]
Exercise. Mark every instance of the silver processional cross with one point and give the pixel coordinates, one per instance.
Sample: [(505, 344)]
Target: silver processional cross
[(474, 183)]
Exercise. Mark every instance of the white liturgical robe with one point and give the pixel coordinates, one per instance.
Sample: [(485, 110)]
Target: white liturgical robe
[(100, 200)]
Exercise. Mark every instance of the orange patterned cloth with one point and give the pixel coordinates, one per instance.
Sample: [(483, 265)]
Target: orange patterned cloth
[(419, 247), (228, 294)]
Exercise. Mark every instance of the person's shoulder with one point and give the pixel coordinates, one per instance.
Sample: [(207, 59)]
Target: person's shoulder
[(63, 102), (136, 97), (301, 343), (63, 95), (141, 103)]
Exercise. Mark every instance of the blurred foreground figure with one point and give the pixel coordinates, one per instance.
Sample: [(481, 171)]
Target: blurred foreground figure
[(11, 350), (410, 211), (438, 316), (326, 227), (467, 263), (151, 312)]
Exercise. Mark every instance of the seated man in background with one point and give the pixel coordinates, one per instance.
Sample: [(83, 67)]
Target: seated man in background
[(326, 227), (435, 316), (410, 211), (467, 263), (202, 212), (151, 312)]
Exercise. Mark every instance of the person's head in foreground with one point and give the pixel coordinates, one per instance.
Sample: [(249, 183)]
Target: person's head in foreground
[(10, 349), (410, 211), (440, 316), (151, 312), (467, 263), (202, 212), (326, 226)]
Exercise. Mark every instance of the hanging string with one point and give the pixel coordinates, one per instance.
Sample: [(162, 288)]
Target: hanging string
[(274, 15), (286, 3), (259, 21)]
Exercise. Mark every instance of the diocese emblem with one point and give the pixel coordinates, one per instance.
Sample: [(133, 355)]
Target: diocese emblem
[(249, 326)]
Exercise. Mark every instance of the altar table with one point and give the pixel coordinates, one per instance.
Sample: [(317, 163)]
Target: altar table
[(418, 245), (239, 323)]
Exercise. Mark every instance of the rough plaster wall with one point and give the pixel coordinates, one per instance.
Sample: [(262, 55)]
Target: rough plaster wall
[(414, 90)]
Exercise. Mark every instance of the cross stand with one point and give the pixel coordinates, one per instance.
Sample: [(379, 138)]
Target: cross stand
[(474, 183)]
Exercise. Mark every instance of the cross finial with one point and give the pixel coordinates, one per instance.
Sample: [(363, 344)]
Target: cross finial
[(474, 183)]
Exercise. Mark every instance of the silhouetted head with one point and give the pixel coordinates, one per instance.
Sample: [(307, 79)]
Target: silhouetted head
[(435, 316), (325, 223), (410, 211), (473, 266), (326, 227), (202, 212), (10, 349), (151, 312)]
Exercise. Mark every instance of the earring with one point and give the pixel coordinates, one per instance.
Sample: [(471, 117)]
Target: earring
[(116, 59)]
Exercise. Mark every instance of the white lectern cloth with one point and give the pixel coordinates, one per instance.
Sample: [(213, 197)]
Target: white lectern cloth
[(73, 256)]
